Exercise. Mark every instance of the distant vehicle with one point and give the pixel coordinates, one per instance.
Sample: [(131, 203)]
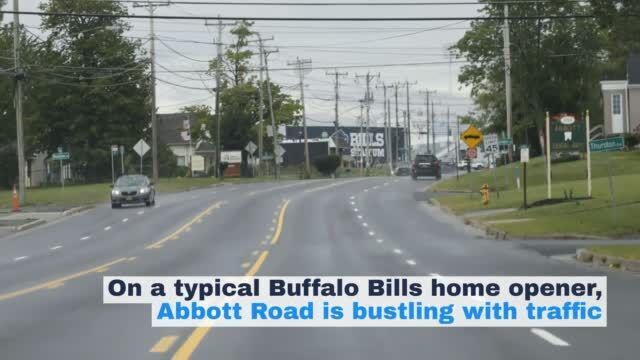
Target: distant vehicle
[(132, 189), (475, 165), (402, 170), (426, 165)]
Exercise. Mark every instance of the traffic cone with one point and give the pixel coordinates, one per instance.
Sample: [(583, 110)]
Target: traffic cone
[(15, 203)]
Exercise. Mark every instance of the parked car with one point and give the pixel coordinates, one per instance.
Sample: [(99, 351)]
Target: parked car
[(133, 189), (426, 165)]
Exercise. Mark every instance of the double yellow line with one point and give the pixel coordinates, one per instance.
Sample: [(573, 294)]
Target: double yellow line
[(197, 335), (173, 236)]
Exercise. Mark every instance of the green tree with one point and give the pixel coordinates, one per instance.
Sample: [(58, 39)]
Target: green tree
[(100, 85), (239, 98), (554, 65)]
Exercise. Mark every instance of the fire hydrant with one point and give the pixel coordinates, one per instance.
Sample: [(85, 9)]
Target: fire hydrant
[(484, 191)]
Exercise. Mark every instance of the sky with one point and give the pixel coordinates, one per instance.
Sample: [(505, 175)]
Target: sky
[(187, 45)]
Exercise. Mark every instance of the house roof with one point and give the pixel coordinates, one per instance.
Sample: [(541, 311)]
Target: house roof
[(171, 128), (633, 69)]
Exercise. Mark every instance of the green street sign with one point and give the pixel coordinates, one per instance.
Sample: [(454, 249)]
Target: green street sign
[(567, 134), (61, 156), (610, 144), (505, 141)]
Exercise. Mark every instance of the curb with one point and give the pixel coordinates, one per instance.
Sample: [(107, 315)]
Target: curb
[(28, 225), (585, 256), (77, 210)]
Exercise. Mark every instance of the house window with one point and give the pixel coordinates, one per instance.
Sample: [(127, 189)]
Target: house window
[(616, 104), (181, 160)]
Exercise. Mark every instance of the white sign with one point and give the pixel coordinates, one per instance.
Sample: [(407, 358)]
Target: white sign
[(251, 148), (269, 131), (141, 147), (114, 149), (280, 151), (373, 141), (231, 157), (524, 154), (491, 143)]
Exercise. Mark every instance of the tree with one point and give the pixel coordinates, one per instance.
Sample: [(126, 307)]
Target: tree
[(239, 98), (100, 83), (554, 65)]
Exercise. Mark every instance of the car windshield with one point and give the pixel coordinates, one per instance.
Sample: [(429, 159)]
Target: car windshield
[(131, 181)]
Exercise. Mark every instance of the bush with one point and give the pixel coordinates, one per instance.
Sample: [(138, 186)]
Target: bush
[(327, 165), (631, 140)]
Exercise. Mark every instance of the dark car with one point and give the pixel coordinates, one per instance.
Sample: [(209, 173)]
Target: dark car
[(426, 165), (133, 189)]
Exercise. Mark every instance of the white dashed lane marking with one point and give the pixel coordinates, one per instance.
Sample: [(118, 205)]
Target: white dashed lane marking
[(125, 220), (549, 337), (379, 241), (85, 238), (352, 197), (140, 212), (371, 233), (55, 247), (360, 217), (355, 209), (20, 258), (411, 262), (365, 224), (397, 251), (107, 228)]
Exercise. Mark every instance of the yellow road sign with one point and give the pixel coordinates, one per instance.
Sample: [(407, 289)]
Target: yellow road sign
[(472, 136)]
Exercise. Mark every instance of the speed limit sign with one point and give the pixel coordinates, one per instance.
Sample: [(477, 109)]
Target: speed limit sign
[(491, 143)]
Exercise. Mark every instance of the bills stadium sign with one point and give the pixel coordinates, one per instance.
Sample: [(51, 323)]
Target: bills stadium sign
[(353, 141)]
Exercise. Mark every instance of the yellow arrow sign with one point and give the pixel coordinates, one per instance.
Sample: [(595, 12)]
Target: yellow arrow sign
[(472, 136)]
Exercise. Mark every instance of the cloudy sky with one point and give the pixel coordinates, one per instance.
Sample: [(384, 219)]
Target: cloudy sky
[(187, 45)]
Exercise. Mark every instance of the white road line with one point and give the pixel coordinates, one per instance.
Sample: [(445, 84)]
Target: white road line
[(366, 190), (371, 233), (20, 258), (107, 228), (272, 229), (353, 203), (397, 251), (549, 337), (276, 212), (379, 241), (386, 184), (140, 212), (352, 197), (85, 238), (125, 220), (355, 209), (435, 275), (411, 262), (365, 224), (375, 187), (55, 247), (359, 217)]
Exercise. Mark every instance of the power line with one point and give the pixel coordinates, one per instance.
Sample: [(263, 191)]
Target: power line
[(337, 19), (354, 3)]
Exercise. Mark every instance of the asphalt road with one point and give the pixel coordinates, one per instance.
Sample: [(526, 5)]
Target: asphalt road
[(51, 277)]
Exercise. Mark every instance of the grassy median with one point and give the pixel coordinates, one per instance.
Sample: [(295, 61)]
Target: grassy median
[(624, 251), (588, 217)]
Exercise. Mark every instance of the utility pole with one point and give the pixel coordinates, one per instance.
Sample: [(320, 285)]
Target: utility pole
[(361, 140), (404, 119), (151, 6), (337, 74), (433, 124), (387, 140), (457, 147), (274, 130), (395, 156), (408, 130), (428, 100), (368, 98), (19, 76), (507, 74), (448, 129), (300, 66), (218, 43), (387, 123), (261, 107)]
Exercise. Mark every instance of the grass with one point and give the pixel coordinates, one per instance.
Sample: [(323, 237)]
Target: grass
[(625, 251), (595, 217), (77, 195)]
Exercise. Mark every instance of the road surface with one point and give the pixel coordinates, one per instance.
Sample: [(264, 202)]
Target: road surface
[(51, 277)]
